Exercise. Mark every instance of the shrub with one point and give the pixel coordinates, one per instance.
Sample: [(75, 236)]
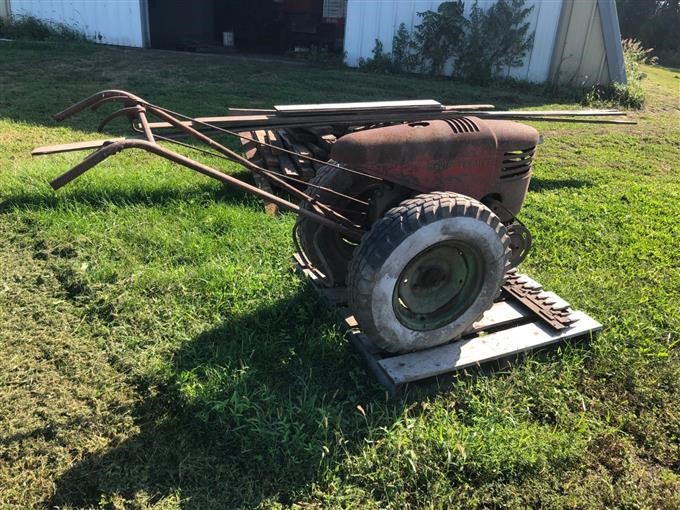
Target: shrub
[(441, 36), (401, 60), (497, 38), (381, 62), (478, 47), (631, 94), (404, 58), (28, 27)]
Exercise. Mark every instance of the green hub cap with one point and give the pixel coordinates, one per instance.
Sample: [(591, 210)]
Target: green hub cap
[(437, 286)]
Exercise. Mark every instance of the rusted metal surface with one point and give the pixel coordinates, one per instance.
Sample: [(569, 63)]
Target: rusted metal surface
[(465, 155), (428, 147), (550, 309), (115, 147), (369, 159), (137, 108)]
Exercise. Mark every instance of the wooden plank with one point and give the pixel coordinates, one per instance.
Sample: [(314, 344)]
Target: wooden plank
[(370, 353), (482, 349), (272, 139), (287, 140), (263, 183), (326, 142), (249, 111), (249, 146), (507, 329), (302, 165), (271, 161), (287, 165), (370, 106), (253, 122), (71, 147), (501, 313)]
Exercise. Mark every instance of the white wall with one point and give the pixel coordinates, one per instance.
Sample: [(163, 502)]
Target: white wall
[(368, 20), (106, 21)]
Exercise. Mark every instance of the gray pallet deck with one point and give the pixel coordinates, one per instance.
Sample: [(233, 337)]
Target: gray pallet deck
[(506, 330)]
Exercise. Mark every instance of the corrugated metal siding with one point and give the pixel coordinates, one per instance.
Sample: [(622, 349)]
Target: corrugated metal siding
[(580, 53), (106, 21), (368, 20)]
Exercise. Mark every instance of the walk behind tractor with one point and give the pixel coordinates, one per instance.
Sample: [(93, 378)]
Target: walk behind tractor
[(412, 205)]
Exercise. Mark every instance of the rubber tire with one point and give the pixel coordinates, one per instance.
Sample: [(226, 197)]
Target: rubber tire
[(405, 231), (333, 262)]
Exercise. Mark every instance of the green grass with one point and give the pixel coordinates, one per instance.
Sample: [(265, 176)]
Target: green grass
[(158, 350)]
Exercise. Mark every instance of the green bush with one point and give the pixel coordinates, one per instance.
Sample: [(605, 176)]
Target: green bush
[(479, 47), (441, 36), (498, 37), (28, 27), (631, 94), (380, 63)]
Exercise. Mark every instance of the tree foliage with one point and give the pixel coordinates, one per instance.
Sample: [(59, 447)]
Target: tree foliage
[(655, 23), (477, 48), (498, 37), (441, 35)]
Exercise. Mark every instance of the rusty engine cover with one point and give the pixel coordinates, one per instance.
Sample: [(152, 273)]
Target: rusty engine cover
[(468, 155)]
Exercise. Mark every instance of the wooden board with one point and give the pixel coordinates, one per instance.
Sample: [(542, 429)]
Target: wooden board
[(72, 147), (252, 153), (507, 330), (287, 165), (481, 349), (271, 161), (371, 106)]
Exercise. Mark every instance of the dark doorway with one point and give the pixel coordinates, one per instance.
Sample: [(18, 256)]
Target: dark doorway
[(265, 26)]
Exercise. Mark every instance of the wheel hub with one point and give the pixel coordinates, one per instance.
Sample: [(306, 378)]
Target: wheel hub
[(437, 285)]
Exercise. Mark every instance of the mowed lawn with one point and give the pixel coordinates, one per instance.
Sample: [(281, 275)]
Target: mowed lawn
[(157, 350)]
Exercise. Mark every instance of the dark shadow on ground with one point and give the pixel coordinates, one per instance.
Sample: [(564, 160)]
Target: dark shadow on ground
[(103, 197), (539, 184), (169, 79), (242, 416)]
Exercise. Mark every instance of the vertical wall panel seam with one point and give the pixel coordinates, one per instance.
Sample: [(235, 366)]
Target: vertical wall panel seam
[(586, 42), (531, 53)]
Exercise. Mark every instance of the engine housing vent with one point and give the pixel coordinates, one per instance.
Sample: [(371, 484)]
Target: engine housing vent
[(463, 125), (517, 163)]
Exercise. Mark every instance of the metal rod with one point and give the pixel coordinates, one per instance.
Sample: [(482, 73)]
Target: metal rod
[(95, 99), (261, 143), (243, 161), (268, 172), (145, 125), (571, 120), (97, 157), (128, 112)]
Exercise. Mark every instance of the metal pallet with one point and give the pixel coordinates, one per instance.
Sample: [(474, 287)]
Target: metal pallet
[(507, 330)]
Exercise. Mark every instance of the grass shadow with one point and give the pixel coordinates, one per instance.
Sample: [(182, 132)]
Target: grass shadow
[(168, 79), (244, 415), (539, 184), (103, 197)]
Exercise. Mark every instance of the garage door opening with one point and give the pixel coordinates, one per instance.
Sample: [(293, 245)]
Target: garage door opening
[(261, 26)]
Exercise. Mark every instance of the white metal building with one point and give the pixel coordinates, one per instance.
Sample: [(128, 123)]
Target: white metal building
[(576, 41)]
